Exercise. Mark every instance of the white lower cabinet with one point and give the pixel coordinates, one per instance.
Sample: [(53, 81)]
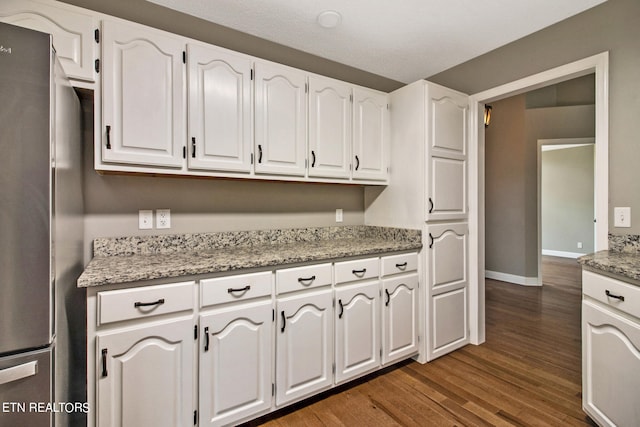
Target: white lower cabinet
[(357, 330), (235, 363), (145, 375), (399, 317), (610, 350), (304, 345), (263, 340)]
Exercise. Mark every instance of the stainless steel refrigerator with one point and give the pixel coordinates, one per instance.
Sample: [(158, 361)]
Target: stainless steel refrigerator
[(41, 232)]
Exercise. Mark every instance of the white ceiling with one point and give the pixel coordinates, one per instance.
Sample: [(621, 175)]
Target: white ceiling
[(404, 40)]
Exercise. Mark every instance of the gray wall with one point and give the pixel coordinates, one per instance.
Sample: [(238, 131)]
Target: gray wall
[(567, 199), (612, 26)]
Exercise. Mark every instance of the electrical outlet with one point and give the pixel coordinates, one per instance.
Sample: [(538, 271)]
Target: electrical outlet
[(579, 245), (622, 217), (145, 219), (163, 218), (338, 215)]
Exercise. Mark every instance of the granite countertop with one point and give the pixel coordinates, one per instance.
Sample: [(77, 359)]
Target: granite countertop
[(132, 259), (624, 264)]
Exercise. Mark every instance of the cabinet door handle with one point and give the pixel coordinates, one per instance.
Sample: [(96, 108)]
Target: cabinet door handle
[(147, 304), (386, 303), (430, 240), (357, 162), (341, 309), (206, 338), (313, 159), (246, 288), (430, 205), (104, 363), (402, 266), (108, 137), (359, 272), (284, 321), (610, 295), (301, 280), (259, 153), (193, 147)]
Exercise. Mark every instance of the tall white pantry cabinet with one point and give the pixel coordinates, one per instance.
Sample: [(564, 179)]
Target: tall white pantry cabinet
[(429, 142)]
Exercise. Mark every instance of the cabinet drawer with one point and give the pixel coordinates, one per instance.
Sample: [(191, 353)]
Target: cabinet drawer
[(138, 303), (296, 279), (360, 269), (615, 293), (235, 288), (395, 264)]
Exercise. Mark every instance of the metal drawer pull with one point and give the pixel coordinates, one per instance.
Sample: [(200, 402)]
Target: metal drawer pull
[(357, 162), (306, 279), (430, 205), (245, 289), (206, 338), (18, 372), (610, 295), (430, 241), (402, 266), (341, 309), (284, 321), (357, 272), (313, 156), (386, 303), (147, 304), (104, 363)]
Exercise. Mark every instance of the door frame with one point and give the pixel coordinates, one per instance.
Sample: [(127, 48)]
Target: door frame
[(598, 65), (573, 142)]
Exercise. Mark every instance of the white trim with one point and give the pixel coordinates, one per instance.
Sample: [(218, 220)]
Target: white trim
[(512, 278), (562, 254), (598, 64)]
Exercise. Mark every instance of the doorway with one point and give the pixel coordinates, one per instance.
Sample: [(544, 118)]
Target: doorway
[(598, 65)]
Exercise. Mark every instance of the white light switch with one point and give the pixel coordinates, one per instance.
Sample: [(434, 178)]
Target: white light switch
[(622, 217), (145, 219)]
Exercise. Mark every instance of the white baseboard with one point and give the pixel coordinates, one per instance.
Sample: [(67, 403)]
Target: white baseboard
[(562, 254), (512, 278)]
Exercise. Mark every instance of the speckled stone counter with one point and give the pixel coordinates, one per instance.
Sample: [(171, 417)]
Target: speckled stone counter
[(623, 259), (133, 259)]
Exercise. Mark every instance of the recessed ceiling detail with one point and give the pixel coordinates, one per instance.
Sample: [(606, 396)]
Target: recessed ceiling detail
[(402, 40)]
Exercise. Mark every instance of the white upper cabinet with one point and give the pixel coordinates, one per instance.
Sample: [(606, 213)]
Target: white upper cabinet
[(447, 112), (280, 120), (143, 96), (370, 135), (329, 128), (219, 110), (72, 31)]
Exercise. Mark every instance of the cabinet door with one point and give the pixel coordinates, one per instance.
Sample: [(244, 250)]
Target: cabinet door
[(447, 112), (304, 345), (235, 363), (72, 32), (145, 376), (219, 110), (610, 366), (143, 96), (357, 320), (370, 135), (447, 284), (280, 120), (329, 128), (399, 318)]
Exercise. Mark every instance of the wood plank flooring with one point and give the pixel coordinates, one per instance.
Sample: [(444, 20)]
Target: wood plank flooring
[(527, 373)]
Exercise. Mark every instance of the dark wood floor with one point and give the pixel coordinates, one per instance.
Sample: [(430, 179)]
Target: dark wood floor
[(527, 373)]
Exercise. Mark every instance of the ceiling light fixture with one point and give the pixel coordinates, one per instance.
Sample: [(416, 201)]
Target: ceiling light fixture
[(329, 19)]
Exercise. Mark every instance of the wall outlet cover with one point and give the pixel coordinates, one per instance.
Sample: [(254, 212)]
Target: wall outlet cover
[(622, 217), (339, 216), (163, 218)]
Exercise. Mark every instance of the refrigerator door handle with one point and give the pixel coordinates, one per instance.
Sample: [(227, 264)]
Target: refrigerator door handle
[(18, 372)]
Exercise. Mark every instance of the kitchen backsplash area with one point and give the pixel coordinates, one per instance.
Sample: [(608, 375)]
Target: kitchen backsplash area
[(628, 243)]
